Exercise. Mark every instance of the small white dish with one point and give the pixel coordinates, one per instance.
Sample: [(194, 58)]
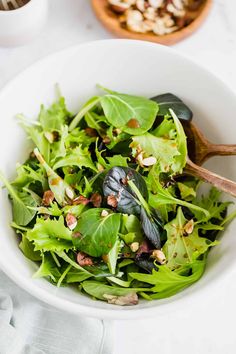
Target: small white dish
[(19, 26), (127, 66)]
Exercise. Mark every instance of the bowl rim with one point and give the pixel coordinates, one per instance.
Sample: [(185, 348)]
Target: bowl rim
[(130, 313)]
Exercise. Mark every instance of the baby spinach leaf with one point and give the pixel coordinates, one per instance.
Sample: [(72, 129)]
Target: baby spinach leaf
[(78, 156), (116, 184), (167, 101), (22, 215), (98, 233), (50, 235), (121, 109), (181, 248)]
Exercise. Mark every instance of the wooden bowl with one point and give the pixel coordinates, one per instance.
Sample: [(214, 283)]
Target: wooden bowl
[(111, 22)]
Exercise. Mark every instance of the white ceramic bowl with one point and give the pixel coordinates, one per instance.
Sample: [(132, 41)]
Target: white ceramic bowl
[(127, 66), (19, 26)]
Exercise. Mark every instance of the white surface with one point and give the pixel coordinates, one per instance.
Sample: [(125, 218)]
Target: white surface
[(21, 25), (196, 329)]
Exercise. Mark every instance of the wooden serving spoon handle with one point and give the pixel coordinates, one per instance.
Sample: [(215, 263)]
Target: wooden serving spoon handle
[(219, 182), (222, 149)]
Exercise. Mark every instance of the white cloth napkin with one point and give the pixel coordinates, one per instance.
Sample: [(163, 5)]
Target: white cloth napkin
[(28, 326)]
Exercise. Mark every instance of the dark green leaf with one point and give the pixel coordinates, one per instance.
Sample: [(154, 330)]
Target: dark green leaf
[(167, 101)]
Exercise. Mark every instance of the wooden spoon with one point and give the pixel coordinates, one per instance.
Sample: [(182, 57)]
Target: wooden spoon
[(219, 182), (200, 149)]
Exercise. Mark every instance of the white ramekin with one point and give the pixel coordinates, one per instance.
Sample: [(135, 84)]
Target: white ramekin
[(19, 26)]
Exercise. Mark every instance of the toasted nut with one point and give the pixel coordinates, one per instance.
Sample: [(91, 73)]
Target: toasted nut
[(69, 193), (119, 6), (143, 248), (178, 4), (188, 228), (96, 200), (156, 3), (129, 299), (71, 221), (159, 256), (112, 201), (134, 246), (106, 140), (48, 198), (149, 161), (140, 5), (150, 14), (105, 258), (176, 12), (81, 200), (100, 167), (83, 259), (77, 234), (91, 132), (104, 213), (134, 20), (49, 136)]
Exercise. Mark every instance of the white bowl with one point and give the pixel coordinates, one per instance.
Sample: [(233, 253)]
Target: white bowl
[(19, 26), (127, 66)]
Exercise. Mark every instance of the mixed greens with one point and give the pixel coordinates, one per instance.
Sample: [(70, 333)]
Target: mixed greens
[(102, 202)]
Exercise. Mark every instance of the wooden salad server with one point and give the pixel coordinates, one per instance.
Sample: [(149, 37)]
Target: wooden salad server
[(199, 150)]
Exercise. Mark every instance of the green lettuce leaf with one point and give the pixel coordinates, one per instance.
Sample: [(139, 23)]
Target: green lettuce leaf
[(50, 235)]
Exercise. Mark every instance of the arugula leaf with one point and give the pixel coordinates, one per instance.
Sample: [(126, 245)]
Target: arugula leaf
[(98, 233), (160, 196), (62, 191), (181, 248), (88, 106), (79, 157), (120, 109), (36, 134), (50, 235), (181, 159), (168, 283), (164, 150), (48, 268), (98, 289), (167, 101), (27, 248), (22, 215)]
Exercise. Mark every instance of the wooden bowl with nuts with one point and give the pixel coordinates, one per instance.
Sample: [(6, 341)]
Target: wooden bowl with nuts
[(161, 21)]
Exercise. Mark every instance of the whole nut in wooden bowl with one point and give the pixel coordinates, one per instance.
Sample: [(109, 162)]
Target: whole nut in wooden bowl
[(161, 21)]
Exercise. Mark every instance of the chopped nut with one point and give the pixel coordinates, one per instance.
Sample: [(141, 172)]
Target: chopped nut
[(134, 20), (83, 259), (178, 4), (49, 136), (71, 221), (150, 14), (48, 198), (69, 193), (96, 200), (140, 5), (106, 140), (134, 246), (118, 5), (77, 234), (104, 213), (105, 258), (188, 228), (112, 201), (159, 256), (175, 11), (129, 299), (143, 248), (91, 132), (81, 200), (133, 123), (149, 161), (156, 3), (100, 167)]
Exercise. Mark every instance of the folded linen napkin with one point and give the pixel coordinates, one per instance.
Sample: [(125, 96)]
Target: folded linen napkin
[(28, 326)]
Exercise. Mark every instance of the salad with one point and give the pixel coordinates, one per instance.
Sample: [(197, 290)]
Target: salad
[(102, 201)]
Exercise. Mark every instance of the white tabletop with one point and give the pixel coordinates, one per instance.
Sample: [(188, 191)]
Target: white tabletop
[(205, 328)]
